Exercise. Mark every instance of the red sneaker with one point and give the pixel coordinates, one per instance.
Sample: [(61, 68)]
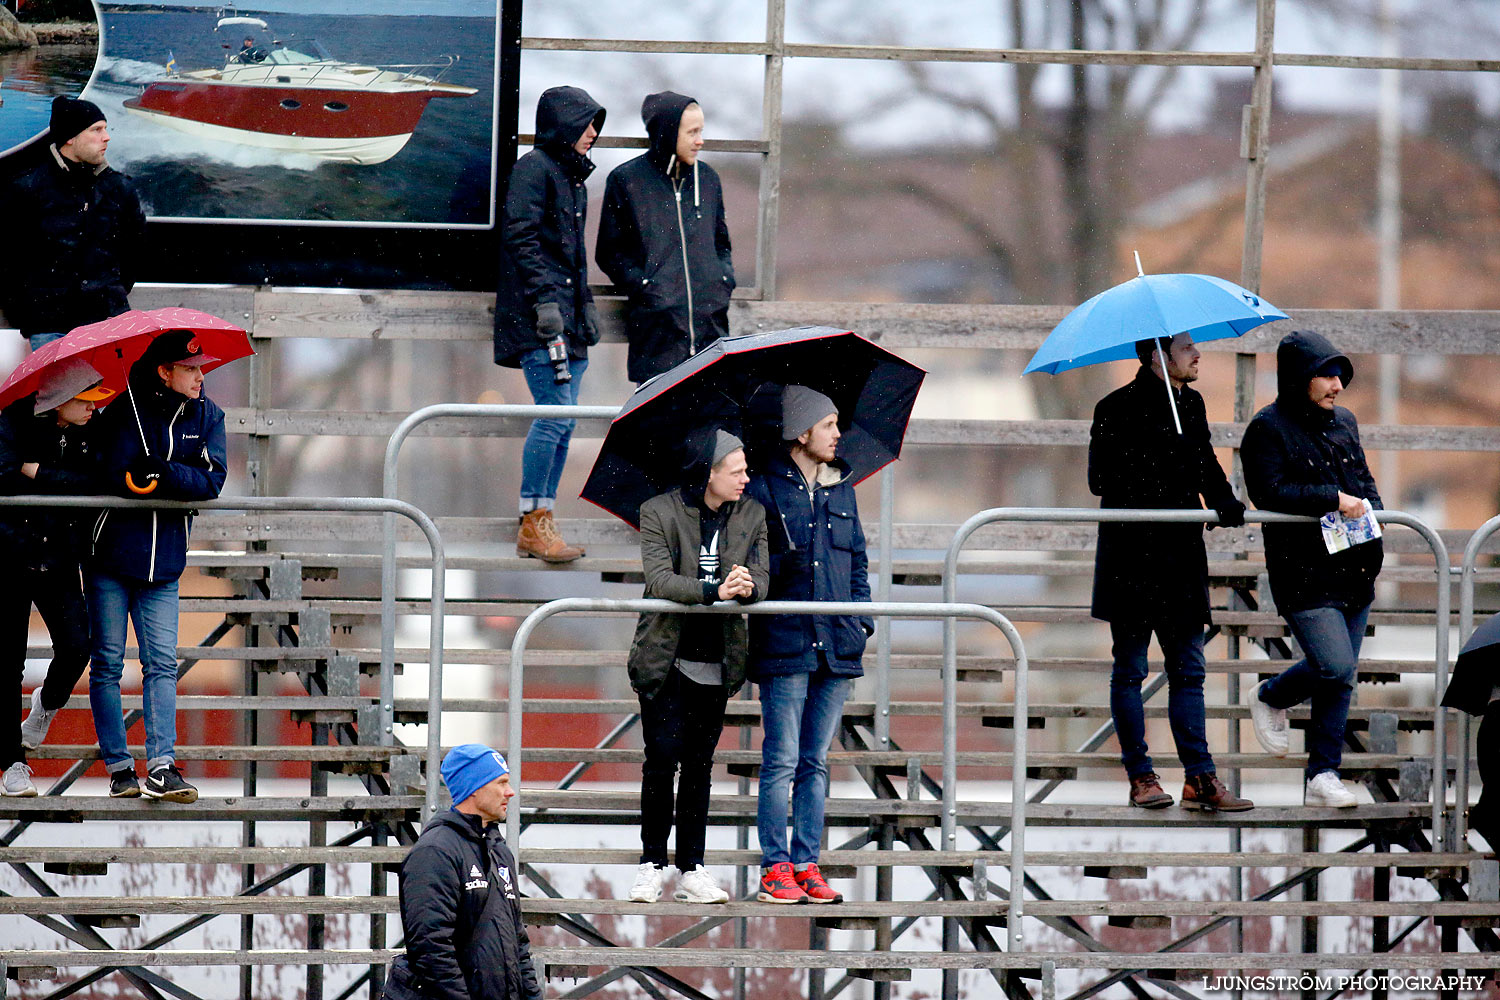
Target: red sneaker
[(778, 884), (815, 885)]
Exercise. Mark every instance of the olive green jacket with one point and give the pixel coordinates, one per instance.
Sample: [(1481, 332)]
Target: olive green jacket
[(670, 540)]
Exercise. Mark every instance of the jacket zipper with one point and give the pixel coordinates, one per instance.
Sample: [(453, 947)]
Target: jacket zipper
[(171, 441), (687, 275)]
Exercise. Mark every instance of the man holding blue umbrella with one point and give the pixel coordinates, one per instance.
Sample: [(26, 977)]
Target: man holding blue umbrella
[(1145, 453)]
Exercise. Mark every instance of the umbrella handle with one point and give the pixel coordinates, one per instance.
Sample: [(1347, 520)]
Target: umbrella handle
[(140, 490)]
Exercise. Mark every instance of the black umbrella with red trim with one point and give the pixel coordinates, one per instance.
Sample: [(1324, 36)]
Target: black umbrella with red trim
[(736, 383)]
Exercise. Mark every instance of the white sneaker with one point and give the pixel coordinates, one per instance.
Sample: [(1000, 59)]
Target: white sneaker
[(1270, 724), (17, 781), (34, 729), (1325, 789), (648, 883), (698, 886)]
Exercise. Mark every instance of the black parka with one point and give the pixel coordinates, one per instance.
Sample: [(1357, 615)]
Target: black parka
[(664, 242), (461, 911), (1298, 458), (543, 256), (42, 537), (75, 235), (1153, 574)]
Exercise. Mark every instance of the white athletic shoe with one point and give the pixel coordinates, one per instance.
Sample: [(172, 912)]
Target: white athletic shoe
[(1270, 724), (17, 781), (34, 729), (1325, 789), (649, 879), (698, 886)]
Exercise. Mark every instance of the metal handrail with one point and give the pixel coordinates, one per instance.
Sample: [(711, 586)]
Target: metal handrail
[(398, 437), (1065, 514), (1466, 629), (356, 505), (884, 609)]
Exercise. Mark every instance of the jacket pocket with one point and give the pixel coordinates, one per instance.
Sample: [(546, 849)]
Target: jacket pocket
[(849, 639), (841, 529)]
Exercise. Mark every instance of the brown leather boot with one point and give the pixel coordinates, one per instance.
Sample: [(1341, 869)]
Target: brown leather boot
[(1147, 793), (1207, 792), (538, 538)]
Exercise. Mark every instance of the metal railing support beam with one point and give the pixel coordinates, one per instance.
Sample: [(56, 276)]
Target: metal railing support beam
[(948, 611)]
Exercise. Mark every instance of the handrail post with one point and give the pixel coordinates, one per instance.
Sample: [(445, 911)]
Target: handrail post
[(388, 480)]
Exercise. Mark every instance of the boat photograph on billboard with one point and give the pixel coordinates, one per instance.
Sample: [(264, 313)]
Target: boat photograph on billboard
[(341, 112)]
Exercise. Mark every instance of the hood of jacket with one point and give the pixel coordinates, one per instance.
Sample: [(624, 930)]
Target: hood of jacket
[(562, 115), (662, 114), (1298, 357), (830, 474)]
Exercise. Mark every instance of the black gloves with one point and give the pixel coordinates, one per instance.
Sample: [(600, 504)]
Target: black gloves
[(1231, 515), (591, 328), (794, 562), (549, 321)]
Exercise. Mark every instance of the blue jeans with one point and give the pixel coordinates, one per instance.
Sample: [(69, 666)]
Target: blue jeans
[(152, 607), (1182, 650), (546, 447), (1330, 639), (36, 340), (800, 714)]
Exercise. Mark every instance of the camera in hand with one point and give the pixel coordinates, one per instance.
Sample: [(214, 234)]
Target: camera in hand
[(557, 353)]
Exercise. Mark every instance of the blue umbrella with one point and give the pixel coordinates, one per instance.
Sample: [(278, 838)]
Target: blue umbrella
[(1107, 326)]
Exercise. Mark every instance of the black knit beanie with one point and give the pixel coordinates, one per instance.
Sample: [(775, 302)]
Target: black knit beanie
[(70, 116)]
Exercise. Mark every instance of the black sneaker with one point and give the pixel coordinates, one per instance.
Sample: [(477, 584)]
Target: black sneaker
[(122, 785), (166, 783)]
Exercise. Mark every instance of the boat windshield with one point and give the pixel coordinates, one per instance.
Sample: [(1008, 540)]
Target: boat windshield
[(288, 56)]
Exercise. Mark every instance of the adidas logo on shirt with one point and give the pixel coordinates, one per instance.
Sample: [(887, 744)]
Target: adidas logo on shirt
[(476, 879)]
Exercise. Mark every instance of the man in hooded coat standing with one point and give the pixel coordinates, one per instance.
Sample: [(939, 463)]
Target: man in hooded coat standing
[(544, 299), (663, 241), (1154, 577), (1302, 456)]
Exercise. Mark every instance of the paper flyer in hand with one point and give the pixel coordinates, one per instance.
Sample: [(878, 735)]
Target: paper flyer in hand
[(1340, 532)]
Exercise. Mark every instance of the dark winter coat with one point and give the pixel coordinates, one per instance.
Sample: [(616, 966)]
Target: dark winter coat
[(188, 434), (1153, 574), (664, 242), (42, 537), (670, 540), (817, 554), (75, 233), (543, 256), (460, 908), (1298, 458)]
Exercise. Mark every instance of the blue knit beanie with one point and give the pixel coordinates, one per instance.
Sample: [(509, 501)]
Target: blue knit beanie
[(469, 767)]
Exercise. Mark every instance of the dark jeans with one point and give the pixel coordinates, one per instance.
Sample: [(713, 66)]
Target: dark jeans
[(681, 726), (1330, 639), (58, 596), (1182, 649)]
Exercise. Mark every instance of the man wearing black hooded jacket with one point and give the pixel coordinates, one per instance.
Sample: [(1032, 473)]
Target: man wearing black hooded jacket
[(664, 242), (1303, 456), (544, 295)]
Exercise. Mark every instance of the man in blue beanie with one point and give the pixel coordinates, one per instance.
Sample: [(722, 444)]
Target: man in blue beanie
[(465, 939)]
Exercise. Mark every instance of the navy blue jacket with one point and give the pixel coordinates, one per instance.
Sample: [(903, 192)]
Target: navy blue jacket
[(824, 526), (461, 910), (188, 434), (1298, 457)]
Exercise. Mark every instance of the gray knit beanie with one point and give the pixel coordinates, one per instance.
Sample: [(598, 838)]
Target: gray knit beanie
[(802, 407), (724, 444)]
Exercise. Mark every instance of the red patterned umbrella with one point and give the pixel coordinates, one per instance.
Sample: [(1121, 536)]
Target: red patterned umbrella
[(114, 344)]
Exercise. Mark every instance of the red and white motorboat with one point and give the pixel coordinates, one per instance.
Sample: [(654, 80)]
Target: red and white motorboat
[(277, 97)]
